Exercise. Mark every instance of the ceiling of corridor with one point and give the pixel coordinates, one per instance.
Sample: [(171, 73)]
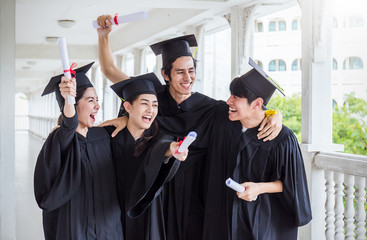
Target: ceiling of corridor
[(37, 59)]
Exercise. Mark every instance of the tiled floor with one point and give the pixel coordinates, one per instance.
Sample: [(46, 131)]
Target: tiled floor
[(29, 216)]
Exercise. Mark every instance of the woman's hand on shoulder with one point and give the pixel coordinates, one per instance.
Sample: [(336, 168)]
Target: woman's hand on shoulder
[(119, 123)]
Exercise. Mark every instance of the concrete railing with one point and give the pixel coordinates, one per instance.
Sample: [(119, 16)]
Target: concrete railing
[(345, 177), (21, 123), (41, 126)]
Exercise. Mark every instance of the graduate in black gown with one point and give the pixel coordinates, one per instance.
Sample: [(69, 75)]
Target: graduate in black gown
[(74, 178), (180, 111), (276, 200), (145, 160)]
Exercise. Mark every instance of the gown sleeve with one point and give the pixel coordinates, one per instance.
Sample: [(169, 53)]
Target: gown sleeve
[(152, 176), (291, 171), (57, 172)]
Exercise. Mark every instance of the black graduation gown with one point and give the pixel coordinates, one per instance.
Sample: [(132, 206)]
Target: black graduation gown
[(75, 185), (245, 158), (140, 183), (184, 194), (273, 216)]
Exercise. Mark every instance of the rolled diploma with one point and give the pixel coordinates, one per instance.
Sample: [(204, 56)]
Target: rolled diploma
[(65, 64), (186, 143), (126, 18), (235, 185)]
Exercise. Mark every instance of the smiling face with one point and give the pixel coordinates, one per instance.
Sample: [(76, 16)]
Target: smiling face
[(182, 76), (87, 108), (239, 108), (142, 112)]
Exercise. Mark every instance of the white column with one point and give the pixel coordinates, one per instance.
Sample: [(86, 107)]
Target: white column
[(139, 62), (316, 72), (158, 70), (199, 33), (7, 105), (316, 104), (241, 21)]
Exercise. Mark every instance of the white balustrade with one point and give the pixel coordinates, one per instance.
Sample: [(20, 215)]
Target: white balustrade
[(345, 205)]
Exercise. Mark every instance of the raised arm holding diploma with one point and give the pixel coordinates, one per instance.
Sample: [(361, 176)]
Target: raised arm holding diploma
[(65, 65), (123, 19)]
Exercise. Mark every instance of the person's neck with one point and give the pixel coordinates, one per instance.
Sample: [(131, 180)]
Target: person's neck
[(82, 130), (134, 131), (254, 120), (179, 98)]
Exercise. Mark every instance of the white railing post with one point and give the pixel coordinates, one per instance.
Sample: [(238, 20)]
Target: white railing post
[(349, 207), (329, 205), (360, 210), (338, 178)]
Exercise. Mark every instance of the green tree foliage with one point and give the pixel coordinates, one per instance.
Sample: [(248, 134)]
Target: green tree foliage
[(349, 125), (290, 107), (349, 120)]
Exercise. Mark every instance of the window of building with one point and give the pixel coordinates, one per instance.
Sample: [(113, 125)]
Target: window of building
[(282, 25), (272, 66), (281, 65), (272, 26), (335, 22), (353, 63), (353, 21), (295, 25), (259, 63), (259, 27), (356, 21), (296, 64), (277, 65), (335, 104), (335, 64)]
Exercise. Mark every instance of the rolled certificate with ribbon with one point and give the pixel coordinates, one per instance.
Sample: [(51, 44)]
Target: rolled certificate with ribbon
[(235, 185), (122, 19), (65, 65), (187, 141)]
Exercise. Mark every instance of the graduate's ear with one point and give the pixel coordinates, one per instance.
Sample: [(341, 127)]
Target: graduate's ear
[(127, 107), (258, 103), (165, 76)]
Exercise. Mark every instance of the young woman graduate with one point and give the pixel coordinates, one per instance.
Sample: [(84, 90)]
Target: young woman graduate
[(74, 178), (142, 159)]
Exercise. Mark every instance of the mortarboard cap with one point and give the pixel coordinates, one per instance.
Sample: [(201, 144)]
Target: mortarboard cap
[(82, 82), (259, 83), (143, 84), (174, 48)]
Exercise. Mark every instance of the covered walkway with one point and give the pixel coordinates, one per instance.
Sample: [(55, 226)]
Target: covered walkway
[(337, 181)]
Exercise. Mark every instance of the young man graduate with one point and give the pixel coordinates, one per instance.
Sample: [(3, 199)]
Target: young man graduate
[(180, 111), (275, 201)]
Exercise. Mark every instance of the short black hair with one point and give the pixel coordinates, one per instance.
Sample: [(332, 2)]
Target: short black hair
[(238, 89), (168, 67)]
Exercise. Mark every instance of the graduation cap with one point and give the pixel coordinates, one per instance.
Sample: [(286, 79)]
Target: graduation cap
[(143, 84), (259, 83), (174, 48), (82, 82)]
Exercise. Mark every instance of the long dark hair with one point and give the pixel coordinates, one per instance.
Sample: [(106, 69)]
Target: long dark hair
[(79, 95), (148, 134)]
